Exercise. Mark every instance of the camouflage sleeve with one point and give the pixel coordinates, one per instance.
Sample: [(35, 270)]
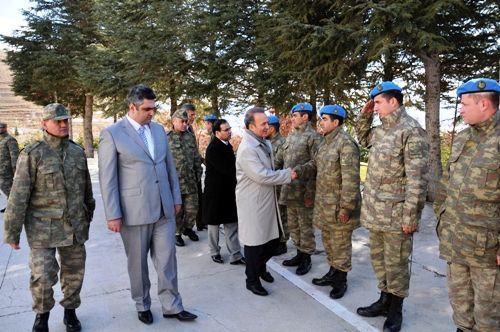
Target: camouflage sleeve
[(441, 192), (315, 142), (349, 167), (197, 164), (416, 153), (279, 157), (14, 152), (364, 130), (89, 197), (19, 198), (306, 170)]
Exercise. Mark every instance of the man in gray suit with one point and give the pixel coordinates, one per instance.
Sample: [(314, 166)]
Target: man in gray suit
[(141, 196)]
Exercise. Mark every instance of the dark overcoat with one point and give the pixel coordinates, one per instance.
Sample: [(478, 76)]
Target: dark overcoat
[(219, 200)]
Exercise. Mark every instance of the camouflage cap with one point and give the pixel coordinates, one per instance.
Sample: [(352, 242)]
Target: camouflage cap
[(55, 111), (180, 114), (3, 125)]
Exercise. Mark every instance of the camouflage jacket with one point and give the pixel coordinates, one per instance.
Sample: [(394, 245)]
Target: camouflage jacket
[(337, 180), (468, 199), (51, 195), (300, 147), (395, 185), (277, 141), (187, 160), (9, 152)]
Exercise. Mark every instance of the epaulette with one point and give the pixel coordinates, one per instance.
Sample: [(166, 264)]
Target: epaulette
[(30, 147), (78, 145)]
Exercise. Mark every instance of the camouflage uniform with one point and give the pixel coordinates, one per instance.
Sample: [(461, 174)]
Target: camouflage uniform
[(337, 192), (9, 151), (468, 210), (300, 147), (188, 166), (277, 141), (52, 198), (394, 193)]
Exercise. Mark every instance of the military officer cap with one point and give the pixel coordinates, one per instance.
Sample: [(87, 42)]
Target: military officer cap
[(383, 87), (56, 112), (333, 110), (273, 119), (180, 114), (302, 107), (188, 107), (478, 85), (3, 125), (210, 117)]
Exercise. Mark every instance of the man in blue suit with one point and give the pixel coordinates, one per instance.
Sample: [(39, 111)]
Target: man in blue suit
[(141, 196)]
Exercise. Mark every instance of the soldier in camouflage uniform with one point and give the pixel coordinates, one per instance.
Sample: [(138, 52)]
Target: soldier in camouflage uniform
[(52, 197), (394, 196), (468, 210), (298, 196), (277, 140), (337, 202), (9, 151), (188, 166)]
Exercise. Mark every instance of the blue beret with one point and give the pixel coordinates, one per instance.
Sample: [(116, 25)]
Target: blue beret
[(478, 85), (273, 119), (384, 87), (333, 110), (302, 107), (210, 117)]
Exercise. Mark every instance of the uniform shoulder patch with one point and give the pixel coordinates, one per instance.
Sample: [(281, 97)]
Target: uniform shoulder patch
[(30, 147), (76, 144)]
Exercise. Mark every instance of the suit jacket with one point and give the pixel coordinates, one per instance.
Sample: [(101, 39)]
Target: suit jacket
[(134, 186)]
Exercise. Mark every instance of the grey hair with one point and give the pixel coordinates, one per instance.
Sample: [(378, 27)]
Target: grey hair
[(138, 93), (250, 115)]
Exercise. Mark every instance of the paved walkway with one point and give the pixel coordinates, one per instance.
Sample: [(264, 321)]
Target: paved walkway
[(217, 294)]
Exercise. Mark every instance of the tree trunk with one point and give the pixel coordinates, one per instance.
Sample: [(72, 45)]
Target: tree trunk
[(214, 100), (88, 137), (173, 96), (70, 123), (432, 100)]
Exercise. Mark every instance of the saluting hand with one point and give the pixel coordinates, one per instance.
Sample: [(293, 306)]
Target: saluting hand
[(368, 107)]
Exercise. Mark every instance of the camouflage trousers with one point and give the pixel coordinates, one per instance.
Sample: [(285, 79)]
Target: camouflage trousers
[(338, 246), (389, 254), (5, 185), (187, 218), (301, 228), (474, 294), (285, 234), (44, 268)]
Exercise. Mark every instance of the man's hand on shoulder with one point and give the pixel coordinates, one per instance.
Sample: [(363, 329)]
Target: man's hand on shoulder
[(115, 225)]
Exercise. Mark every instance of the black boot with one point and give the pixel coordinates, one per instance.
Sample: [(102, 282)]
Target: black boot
[(71, 321), (395, 315), (41, 322), (378, 308), (339, 285), (295, 260), (327, 279), (305, 265)]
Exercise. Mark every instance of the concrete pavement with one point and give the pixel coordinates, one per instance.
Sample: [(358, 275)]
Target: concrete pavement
[(217, 294)]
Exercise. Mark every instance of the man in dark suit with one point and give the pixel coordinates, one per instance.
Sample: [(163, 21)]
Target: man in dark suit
[(220, 201), (141, 196)]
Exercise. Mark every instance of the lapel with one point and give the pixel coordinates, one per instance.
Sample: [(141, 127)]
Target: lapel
[(130, 131), (156, 132)]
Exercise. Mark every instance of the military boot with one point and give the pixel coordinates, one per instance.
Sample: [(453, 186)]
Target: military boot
[(304, 265), (71, 321), (41, 322), (327, 279), (395, 315), (339, 285), (295, 260), (377, 308)]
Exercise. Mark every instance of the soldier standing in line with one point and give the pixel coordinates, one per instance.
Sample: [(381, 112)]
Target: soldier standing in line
[(338, 198), (298, 196), (468, 207), (277, 140), (188, 166), (9, 151), (394, 196), (52, 197)]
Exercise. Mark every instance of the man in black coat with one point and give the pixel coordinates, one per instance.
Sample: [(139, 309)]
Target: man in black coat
[(219, 201)]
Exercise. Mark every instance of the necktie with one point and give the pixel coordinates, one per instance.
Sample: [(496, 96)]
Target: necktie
[(142, 135)]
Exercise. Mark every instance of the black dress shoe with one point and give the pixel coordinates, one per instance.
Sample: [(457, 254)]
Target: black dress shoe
[(241, 261), (179, 241), (182, 316), (191, 234), (267, 277), (2, 210), (218, 259), (145, 316), (71, 321), (257, 289)]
